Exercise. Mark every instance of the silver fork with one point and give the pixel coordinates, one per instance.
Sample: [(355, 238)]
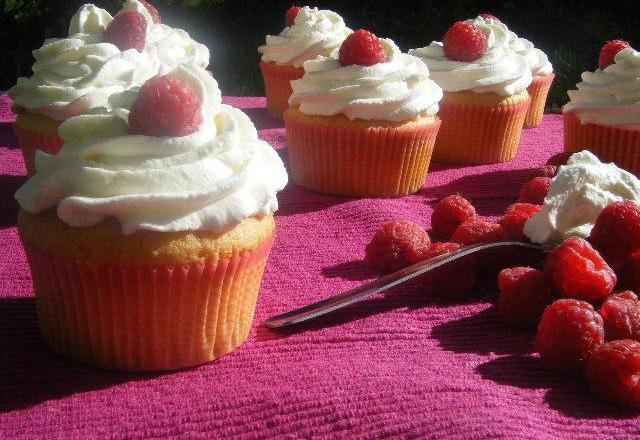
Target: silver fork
[(366, 290)]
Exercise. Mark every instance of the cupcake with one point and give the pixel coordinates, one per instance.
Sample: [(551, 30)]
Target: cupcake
[(309, 33), (485, 93), (538, 62), (603, 114), (362, 122), (147, 235), (102, 55)]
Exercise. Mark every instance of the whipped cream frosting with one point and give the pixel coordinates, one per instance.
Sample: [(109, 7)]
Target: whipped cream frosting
[(314, 33), (73, 75), (209, 180), (500, 70), (610, 96), (579, 192), (395, 90)]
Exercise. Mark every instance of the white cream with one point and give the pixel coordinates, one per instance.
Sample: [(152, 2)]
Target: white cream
[(314, 33), (610, 96), (579, 192), (209, 180), (395, 90)]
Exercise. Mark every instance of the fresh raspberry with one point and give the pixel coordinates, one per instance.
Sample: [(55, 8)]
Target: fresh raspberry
[(450, 213), (128, 30), (397, 244), (488, 16), (609, 52), (547, 171), (362, 48), (560, 158), (629, 272), (616, 232), (576, 270), (454, 280), (613, 370), (569, 332), (165, 106), (155, 15), (621, 315), (464, 42), (535, 190), (514, 219), (291, 14), (524, 294), (476, 231)]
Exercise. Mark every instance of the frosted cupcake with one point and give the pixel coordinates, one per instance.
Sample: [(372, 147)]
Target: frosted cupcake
[(538, 62), (485, 93), (148, 233), (309, 33), (363, 123), (100, 57), (603, 114)]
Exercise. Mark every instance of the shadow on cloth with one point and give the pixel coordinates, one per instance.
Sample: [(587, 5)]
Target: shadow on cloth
[(7, 136), (295, 199), (354, 270), (31, 372), (262, 119), (8, 205)]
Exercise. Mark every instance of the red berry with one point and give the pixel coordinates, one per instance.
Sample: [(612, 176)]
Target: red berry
[(547, 171), (165, 106), (454, 280), (450, 213), (488, 16), (514, 219), (629, 272), (569, 332), (576, 270), (291, 14), (524, 294), (155, 15), (616, 233), (362, 48), (621, 315), (397, 244), (609, 51), (476, 231), (535, 190), (128, 30), (464, 42), (613, 370)]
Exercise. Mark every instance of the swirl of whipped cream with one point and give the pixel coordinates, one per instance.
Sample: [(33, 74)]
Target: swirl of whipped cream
[(314, 33), (500, 70), (209, 180), (610, 96), (395, 90), (89, 20)]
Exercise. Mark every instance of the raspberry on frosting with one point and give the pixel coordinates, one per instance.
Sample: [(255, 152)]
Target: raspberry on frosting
[(128, 30), (291, 14), (609, 51), (464, 42), (362, 48), (165, 106)]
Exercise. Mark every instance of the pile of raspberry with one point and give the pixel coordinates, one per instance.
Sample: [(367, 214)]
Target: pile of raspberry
[(581, 300)]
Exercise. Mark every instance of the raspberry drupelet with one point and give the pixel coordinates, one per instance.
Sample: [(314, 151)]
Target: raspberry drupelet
[(621, 315), (524, 294), (397, 244), (449, 213), (616, 232), (613, 370), (362, 48), (464, 42), (514, 219), (477, 231), (128, 30), (535, 190)]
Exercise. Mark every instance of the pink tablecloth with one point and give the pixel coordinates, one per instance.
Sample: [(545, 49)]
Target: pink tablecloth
[(396, 365)]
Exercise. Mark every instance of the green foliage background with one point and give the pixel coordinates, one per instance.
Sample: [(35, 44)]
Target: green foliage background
[(571, 32)]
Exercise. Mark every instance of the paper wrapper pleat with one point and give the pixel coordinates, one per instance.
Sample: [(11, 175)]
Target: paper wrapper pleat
[(36, 132), (359, 161), (147, 317), (472, 134), (538, 90), (277, 86), (610, 143)]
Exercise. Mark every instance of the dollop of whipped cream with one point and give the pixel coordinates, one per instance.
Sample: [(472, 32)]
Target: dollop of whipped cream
[(314, 33), (500, 70), (579, 192), (395, 90), (209, 180), (610, 96), (76, 74)]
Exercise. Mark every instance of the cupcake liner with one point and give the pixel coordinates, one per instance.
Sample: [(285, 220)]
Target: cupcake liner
[(277, 86), (147, 317), (476, 134), (36, 132), (610, 143), (385, 161), (538, 90)]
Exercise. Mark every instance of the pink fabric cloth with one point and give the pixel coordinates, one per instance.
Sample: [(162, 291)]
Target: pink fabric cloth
[(394, 366)]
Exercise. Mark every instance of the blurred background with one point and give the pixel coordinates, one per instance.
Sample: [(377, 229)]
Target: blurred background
[(570, 32)]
